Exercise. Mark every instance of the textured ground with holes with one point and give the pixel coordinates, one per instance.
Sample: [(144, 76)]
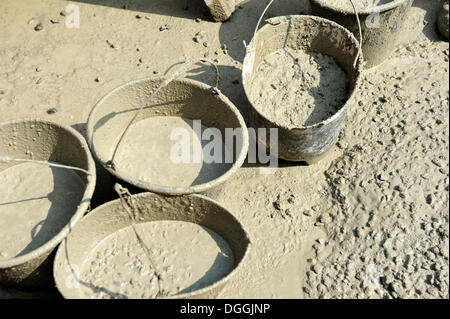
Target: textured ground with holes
[(369, 221)]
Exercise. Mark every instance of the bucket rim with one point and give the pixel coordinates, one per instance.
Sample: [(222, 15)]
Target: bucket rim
[(343, 108), (82, 207), (377, 9), (169, 190), (61, 249)]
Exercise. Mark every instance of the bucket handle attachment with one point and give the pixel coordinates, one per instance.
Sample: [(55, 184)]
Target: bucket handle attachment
[(180, 71), (357, 18)]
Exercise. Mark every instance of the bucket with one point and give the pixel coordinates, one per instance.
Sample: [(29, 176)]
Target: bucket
[(380, 25), (77, 258), (39, 203), (442, 22), (156, 108), (301, 33)]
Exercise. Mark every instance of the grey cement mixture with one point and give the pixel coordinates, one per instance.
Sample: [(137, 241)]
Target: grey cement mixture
[(359, 4), (36, 202), (187, 256), (146, 153), (298, 88)]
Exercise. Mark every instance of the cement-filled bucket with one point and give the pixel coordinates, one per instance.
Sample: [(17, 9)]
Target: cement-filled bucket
[(302, 142), (48, 177), (380, 25), (77, 259), (148, 102)]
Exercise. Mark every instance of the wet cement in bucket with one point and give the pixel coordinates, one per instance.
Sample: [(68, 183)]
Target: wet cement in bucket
[(36, 202), (187, 256), (147, 148), (298, 88), (359, 4)]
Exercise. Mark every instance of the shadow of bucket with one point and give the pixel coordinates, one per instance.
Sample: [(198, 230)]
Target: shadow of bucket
[(380, 25), (42, 140), (183, 98), (110, 218), (308, 33)]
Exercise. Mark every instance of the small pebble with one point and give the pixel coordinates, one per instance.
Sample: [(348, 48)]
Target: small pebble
[(199, 36), (39, 27), (63, 13), (52, 111), (54, 21), (224, 48), (382, 99), (112, 46), (165, 27)]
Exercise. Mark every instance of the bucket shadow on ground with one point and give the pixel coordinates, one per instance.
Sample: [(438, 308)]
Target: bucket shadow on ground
[(241, 26), (175, 8), (104, 186), (431, 8), (230, 84)]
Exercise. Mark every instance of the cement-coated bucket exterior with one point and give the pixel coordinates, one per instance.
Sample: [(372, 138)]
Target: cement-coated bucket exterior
[(181, 97), (110, 217), (443, 20), (380, 25), (46, 141), (305, 143)]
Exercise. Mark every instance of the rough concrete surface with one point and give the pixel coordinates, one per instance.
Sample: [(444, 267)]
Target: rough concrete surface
[(221, 10), (369, 221)]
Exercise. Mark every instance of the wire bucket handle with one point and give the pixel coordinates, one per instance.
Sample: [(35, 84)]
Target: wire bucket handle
[(6, 159), (357, 18), (179, 72)]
